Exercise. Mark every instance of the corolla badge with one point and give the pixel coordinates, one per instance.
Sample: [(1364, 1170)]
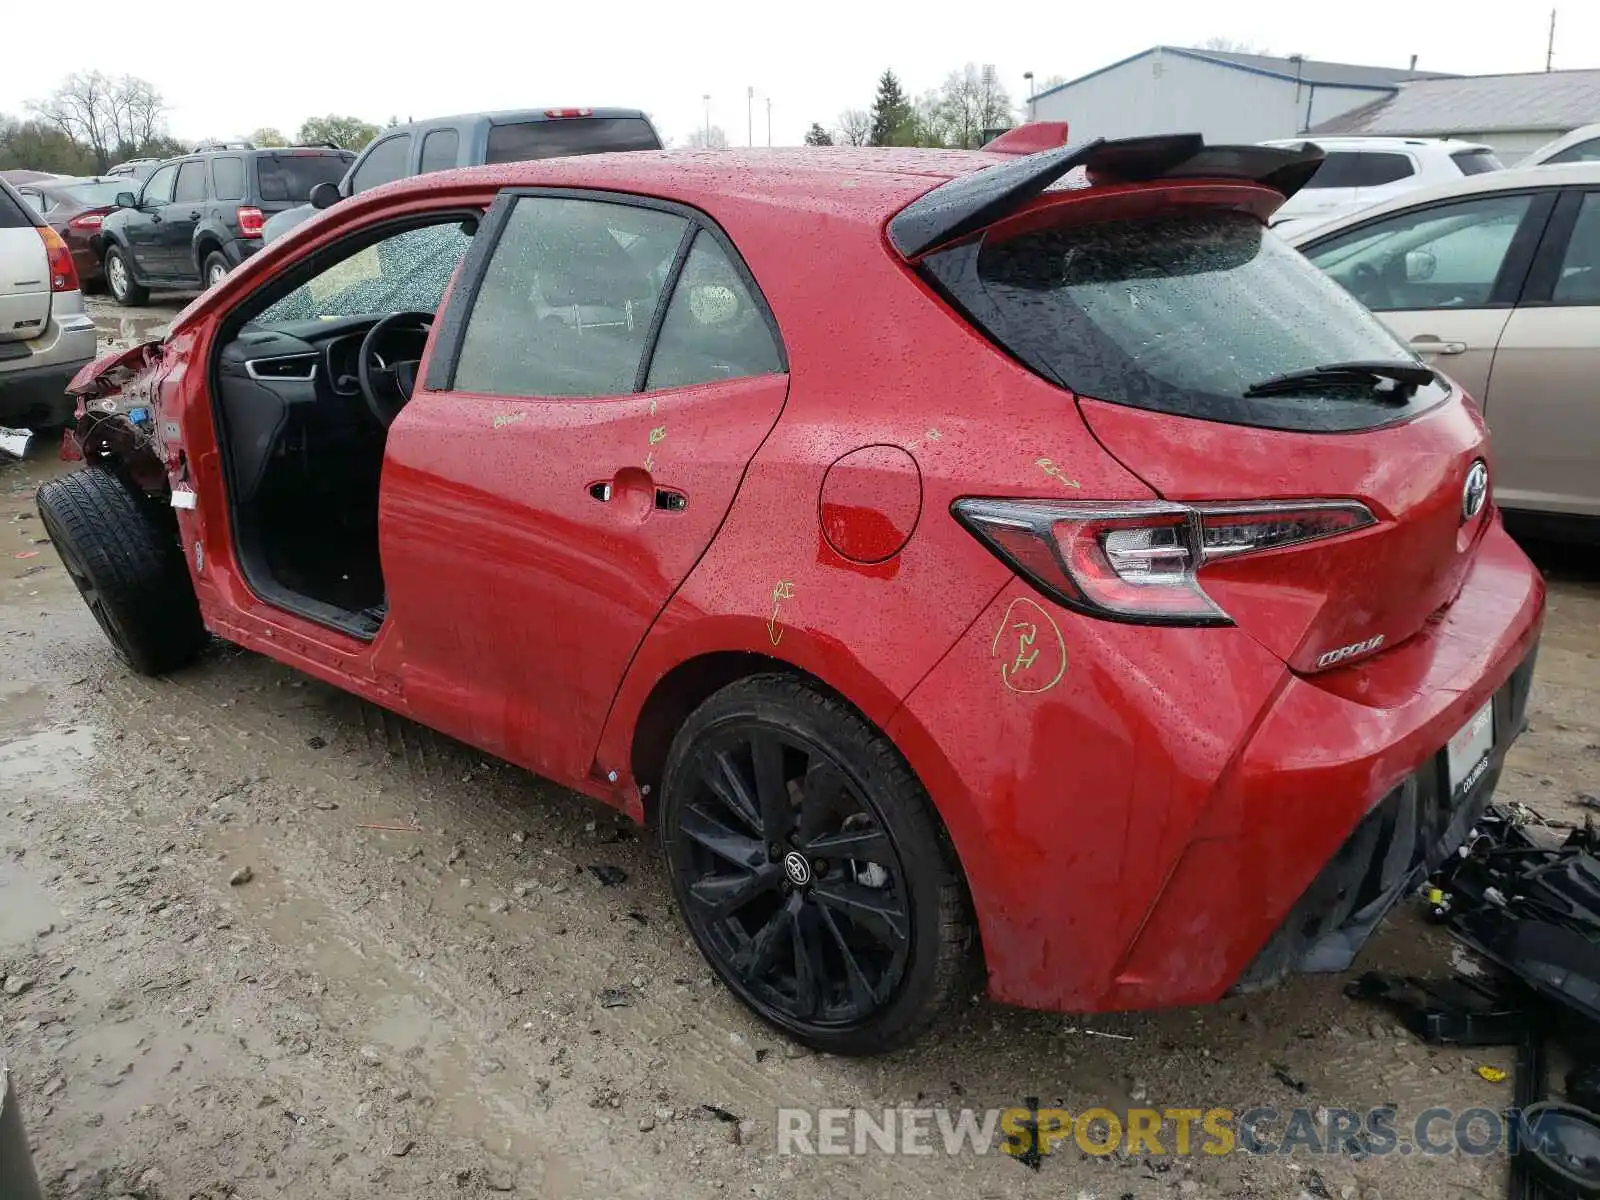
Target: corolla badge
[(1475, 491)]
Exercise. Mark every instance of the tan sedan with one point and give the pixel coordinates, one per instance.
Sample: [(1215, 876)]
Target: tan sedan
[(1495, 280)]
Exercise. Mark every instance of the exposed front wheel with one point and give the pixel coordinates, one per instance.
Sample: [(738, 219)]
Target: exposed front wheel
[(811, 869), (120, 282), (128, 568)]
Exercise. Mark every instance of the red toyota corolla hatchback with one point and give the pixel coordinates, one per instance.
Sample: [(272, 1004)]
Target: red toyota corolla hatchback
[(964, 558)]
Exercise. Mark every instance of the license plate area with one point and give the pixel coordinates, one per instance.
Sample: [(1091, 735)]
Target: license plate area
[(1467, 754)]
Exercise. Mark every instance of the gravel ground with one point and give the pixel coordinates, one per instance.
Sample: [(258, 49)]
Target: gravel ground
[(263, 940)]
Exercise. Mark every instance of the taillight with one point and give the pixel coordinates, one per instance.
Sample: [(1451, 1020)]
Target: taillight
[(63, 275), (1140, 561), (251, 221), (554, 113), (88, 220)]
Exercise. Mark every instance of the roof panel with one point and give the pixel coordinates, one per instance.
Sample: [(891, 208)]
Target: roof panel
[(1480, 104)]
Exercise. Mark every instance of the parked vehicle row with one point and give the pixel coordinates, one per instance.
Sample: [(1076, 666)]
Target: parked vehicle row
[(1070, 586)]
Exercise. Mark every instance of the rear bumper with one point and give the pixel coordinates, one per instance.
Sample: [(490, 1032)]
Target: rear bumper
[(236, 250), (33, 388), (1405, 838), (1138, 835)]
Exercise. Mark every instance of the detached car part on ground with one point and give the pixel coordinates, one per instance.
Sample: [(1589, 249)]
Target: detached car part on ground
[(1072, 582)]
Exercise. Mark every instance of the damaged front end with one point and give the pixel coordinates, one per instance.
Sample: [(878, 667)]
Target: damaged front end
[(115, 421)]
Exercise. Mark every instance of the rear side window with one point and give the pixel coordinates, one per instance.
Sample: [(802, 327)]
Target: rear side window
[(566, 302), (1179, 313), (1363, 168), (227, 178), (1475, 162), (1443, 256), (387, 161), (12, 214), (191, 186), (439, 150), (714, 328), (568, 135), (1579, 152), (1579, 282), (290, 177)]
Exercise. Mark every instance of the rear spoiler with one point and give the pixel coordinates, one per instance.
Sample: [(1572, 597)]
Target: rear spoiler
[(972, 202)]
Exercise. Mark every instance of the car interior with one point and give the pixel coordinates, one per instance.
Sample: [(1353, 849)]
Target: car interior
[(306, 385)]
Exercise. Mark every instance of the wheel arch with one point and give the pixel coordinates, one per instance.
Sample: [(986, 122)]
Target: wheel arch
[(205, 242)]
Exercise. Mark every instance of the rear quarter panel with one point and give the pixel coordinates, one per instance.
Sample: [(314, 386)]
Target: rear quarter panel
[(876, 359)]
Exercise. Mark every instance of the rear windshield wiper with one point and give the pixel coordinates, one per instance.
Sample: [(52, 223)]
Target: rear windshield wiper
[(1406, 376)]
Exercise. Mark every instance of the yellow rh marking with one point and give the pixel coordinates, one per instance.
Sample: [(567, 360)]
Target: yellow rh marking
[(1026, 631), (783, 591)]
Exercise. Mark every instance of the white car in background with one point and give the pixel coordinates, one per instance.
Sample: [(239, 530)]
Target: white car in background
[(45, 336), (1358, 172), (1496, 282), (1581, 145)]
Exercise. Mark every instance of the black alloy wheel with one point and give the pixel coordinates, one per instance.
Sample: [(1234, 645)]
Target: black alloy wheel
[(809, 869)]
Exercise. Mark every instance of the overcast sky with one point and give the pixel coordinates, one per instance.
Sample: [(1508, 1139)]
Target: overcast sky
[(228, 69)]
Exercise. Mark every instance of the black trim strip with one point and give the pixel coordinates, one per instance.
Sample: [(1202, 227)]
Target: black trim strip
[(658, 318)]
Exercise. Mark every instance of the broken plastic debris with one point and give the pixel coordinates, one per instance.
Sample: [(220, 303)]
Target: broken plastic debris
[(1493, 1074)]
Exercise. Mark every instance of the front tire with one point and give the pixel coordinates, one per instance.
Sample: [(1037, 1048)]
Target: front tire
[(215, 269), (120, 282), (128, 568), (811, 870)]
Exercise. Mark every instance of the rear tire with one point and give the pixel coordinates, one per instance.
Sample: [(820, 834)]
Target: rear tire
[(128, 568), (120, 282), (214, 270), (811, 869)]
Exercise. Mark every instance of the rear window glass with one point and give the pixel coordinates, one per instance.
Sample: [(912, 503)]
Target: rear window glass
[(569, 135), (92, 195), (292, 176), (227, 178), (1365, 168), (1475, 162), (191, 186), (12, 214), (1579, 152), (439, 150), (1178, 313)]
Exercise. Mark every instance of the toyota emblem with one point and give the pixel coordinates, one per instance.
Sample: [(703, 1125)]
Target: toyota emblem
[(797, 869), (1475, 491)]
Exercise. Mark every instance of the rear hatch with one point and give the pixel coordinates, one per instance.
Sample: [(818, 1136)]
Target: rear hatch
[(1328, 513), (284, 178), (24, 277)]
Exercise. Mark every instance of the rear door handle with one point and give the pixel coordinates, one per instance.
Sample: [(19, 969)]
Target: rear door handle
[(1427, 343)]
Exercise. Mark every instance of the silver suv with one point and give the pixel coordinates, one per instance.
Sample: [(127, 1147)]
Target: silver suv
[(45, 336)]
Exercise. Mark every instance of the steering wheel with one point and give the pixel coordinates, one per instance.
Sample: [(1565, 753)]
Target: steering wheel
[(1369, 285), (387, 386)]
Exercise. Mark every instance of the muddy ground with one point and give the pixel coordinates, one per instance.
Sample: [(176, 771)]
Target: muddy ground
[(426, 988)]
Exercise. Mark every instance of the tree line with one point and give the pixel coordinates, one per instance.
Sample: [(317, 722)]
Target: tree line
[(960, 113), (94, 120)]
